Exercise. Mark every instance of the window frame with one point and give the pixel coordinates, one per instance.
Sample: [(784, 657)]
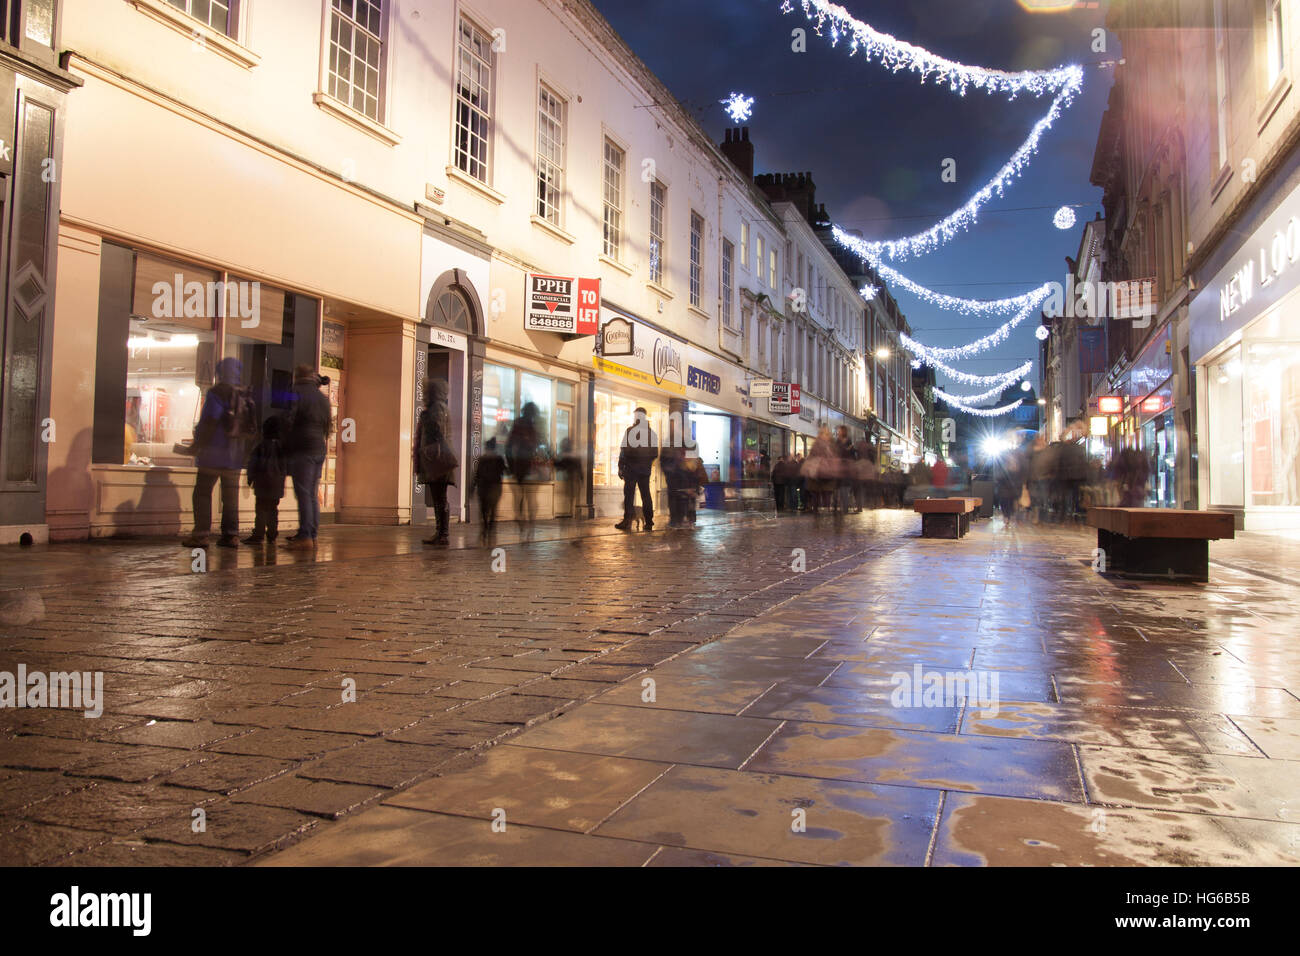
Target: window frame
[(544, 209), (727, 281), (613, 250), (232, 15), (487, 112), (658, 230), (695, 284), (1275, 64), (381, 82)]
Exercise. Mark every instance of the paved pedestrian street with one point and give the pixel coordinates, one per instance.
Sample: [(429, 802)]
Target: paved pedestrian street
[(756, 692)]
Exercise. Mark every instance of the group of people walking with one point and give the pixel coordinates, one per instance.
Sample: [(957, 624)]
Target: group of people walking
[(838, 475), (1057, 481), (285, 445)]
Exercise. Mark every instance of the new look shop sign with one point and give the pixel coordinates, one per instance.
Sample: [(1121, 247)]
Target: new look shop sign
[(1261, 272)]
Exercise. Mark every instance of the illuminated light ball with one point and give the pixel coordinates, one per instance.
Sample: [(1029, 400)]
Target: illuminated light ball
[(1064, 218), (1041, 333), (1025, 386)]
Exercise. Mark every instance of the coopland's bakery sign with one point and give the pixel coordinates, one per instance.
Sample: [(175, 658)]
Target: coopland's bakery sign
[(641, 353)]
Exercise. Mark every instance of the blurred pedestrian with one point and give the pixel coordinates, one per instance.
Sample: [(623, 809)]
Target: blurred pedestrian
[(309, 428), (637, 453), (569, 467), (522, 460), (435, 461), (780, 477), (488, 473), (796, 484), (821, 470), (267, 468), (226, 422), (847, 456)]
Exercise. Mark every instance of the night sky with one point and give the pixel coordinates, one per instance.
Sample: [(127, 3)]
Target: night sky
[(875, 142)]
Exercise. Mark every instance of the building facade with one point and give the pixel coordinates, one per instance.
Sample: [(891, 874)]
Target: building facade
[(1244, 228), (496, 194), (1141, 164)]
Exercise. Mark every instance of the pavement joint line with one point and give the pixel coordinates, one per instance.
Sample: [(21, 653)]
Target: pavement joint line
[(934, 830)]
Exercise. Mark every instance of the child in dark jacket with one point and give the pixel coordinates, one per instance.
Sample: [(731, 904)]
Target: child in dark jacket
[(487, 482), (267, 467)]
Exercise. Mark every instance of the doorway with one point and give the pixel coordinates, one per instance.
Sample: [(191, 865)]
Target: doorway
[(446, 365)]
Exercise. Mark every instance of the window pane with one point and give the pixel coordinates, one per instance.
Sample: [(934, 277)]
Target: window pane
[(498, 403)]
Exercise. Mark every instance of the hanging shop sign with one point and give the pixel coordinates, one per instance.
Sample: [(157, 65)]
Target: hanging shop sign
[(784, 399), (760, 388), (617, 337), (564, 304), (1098, 426)]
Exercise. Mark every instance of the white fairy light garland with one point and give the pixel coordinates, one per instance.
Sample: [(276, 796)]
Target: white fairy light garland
[(965, 306), (897, 55), (964, 217), (969, 399), (986, 412), (926, 357)]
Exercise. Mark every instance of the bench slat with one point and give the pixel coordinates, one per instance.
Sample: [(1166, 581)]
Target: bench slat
[(1163, 523)]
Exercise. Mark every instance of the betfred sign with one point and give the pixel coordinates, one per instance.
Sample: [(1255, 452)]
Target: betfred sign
[(784, 399), (564, 304)]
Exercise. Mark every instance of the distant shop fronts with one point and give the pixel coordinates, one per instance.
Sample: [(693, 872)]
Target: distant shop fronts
[(639, 365)]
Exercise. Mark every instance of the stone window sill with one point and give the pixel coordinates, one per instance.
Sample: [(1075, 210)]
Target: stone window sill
[(350, 116), (455, 174), (198, 31)]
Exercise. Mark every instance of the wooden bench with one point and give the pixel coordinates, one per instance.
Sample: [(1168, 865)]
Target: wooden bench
[(1158, 542), (945, 517)]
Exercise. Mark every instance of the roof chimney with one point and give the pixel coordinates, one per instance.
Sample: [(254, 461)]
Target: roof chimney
[(737, 148)]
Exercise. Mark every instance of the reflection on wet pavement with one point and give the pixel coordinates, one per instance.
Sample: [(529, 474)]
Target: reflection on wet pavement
[(667, 700)]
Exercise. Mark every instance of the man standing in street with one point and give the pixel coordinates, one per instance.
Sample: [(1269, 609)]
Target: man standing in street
[(636, 457), (309, 428)]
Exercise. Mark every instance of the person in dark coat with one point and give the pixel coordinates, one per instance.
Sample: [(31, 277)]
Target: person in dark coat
[(309, 428), (267, 468), (636, 459), (219, 455), (433, 428), (488, 473), (523, 450), (780, 475)]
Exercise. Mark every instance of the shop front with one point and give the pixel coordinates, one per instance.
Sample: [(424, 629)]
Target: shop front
[(686, 391), (1245, 342)]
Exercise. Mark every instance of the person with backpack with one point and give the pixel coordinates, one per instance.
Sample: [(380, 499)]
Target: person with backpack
[(489, 471), (435, 462), (225, 422), (309, 428), (267, 469)]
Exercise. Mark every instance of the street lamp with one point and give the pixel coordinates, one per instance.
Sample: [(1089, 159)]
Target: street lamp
[(882, 353)]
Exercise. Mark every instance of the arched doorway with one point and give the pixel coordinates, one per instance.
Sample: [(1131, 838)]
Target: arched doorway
[(450, 348)]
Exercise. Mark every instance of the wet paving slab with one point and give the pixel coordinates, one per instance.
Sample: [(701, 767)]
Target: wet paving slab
[(905, 701)]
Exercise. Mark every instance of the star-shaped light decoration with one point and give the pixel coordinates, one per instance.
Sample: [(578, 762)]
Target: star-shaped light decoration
[(738, 106), (868, 292)]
